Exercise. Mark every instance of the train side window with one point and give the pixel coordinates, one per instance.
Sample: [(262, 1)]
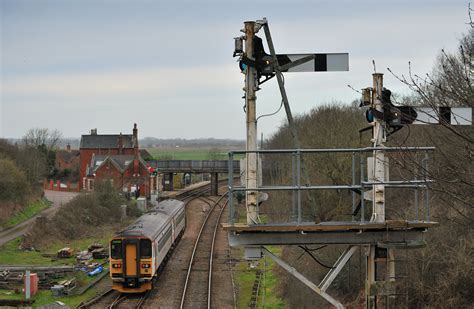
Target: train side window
[(180, 217), (145, 248), (116, 249), (164, 239)]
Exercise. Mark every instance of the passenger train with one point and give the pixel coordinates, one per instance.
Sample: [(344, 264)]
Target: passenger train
[(137, 252)]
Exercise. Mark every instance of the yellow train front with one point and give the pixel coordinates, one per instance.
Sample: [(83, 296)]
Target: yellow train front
[(137, 252)]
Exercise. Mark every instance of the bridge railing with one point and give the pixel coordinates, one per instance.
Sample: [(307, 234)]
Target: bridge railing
[(194, 165)]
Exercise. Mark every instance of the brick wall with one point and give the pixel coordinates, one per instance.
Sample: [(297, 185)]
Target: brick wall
[(127, 179), (86, 156)]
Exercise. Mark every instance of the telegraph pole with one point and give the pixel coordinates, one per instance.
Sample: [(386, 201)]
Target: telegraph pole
[(250, 107)]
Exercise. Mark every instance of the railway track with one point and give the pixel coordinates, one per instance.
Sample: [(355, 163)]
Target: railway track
[(111, 299), (198, 191), (100, 300), (129, 301), (196, 293)]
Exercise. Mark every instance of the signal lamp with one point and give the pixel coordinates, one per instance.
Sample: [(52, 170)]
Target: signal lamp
[(264, 66), (238, 46), (369, 115), (366, 97), (242, 66)]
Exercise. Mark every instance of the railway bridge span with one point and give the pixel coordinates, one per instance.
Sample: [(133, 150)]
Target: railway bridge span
[(212, 167)]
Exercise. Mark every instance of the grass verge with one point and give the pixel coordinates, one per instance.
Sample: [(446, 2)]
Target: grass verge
[(245, 276), (29, 211), (44, 297), (189, 154)]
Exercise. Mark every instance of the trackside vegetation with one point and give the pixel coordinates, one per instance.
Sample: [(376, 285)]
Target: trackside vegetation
[(29, 211), (246, 275)]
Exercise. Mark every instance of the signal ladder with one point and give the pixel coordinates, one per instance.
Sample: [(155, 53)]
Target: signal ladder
[(256, 289), (395, 293)]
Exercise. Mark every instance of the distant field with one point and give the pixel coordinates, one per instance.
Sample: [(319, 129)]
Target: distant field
[(188, 153)]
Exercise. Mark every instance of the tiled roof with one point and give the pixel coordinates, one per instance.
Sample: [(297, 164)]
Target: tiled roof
[(106, 141), (145, 154), (122, 162), (67, 156)]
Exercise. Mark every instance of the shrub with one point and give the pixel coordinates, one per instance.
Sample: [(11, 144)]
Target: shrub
[(13, 184)]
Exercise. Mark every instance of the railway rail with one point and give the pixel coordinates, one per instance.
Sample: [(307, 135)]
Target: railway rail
[(101, 299), (195, 292), (129, 301)]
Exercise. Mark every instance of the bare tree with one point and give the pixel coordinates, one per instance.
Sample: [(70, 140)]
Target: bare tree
[(37, 137), (446, 264), (451, 84), (38, 155)]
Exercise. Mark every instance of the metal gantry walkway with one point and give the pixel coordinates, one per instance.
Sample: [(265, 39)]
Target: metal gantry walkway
[(358, 229)]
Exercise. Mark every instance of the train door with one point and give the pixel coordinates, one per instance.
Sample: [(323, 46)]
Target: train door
[(131, 262)]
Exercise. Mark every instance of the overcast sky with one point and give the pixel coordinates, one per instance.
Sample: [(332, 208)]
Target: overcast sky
[(168, 66)]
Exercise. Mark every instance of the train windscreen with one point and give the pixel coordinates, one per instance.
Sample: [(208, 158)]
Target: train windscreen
[(116, 249), (145, 248)]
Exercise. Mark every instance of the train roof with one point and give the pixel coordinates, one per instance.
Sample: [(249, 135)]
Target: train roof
[(169, 207), (153, 221)]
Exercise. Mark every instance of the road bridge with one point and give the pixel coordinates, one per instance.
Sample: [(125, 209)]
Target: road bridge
[(213, 167)]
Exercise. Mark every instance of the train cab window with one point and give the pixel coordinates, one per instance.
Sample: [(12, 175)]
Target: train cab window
[(145, 248), (116, 249)]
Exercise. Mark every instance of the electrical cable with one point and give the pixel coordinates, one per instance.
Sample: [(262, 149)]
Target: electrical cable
[(408, 135), (271, 114), (314, 258), (279, 108)]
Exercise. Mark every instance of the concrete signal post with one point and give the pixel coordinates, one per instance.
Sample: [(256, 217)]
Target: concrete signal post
[(251, 84), (259, 67), (379, 167)]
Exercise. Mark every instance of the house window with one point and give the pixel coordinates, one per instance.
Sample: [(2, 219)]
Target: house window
[(90, 184)]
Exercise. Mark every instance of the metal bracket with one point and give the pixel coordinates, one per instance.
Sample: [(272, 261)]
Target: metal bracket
[(259, 24)]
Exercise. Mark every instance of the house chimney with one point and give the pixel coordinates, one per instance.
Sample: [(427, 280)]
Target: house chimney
[(120, 144), (68, 147), (94, 131), (135, 150), (135, 140)]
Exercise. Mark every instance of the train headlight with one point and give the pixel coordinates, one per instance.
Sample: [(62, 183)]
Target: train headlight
[(116, 265), (146, 265)]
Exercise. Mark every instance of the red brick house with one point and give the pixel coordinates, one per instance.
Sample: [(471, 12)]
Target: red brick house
[(67, 159), (115, 157)]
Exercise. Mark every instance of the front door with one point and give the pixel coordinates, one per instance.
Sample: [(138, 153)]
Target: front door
[(131, 259)]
